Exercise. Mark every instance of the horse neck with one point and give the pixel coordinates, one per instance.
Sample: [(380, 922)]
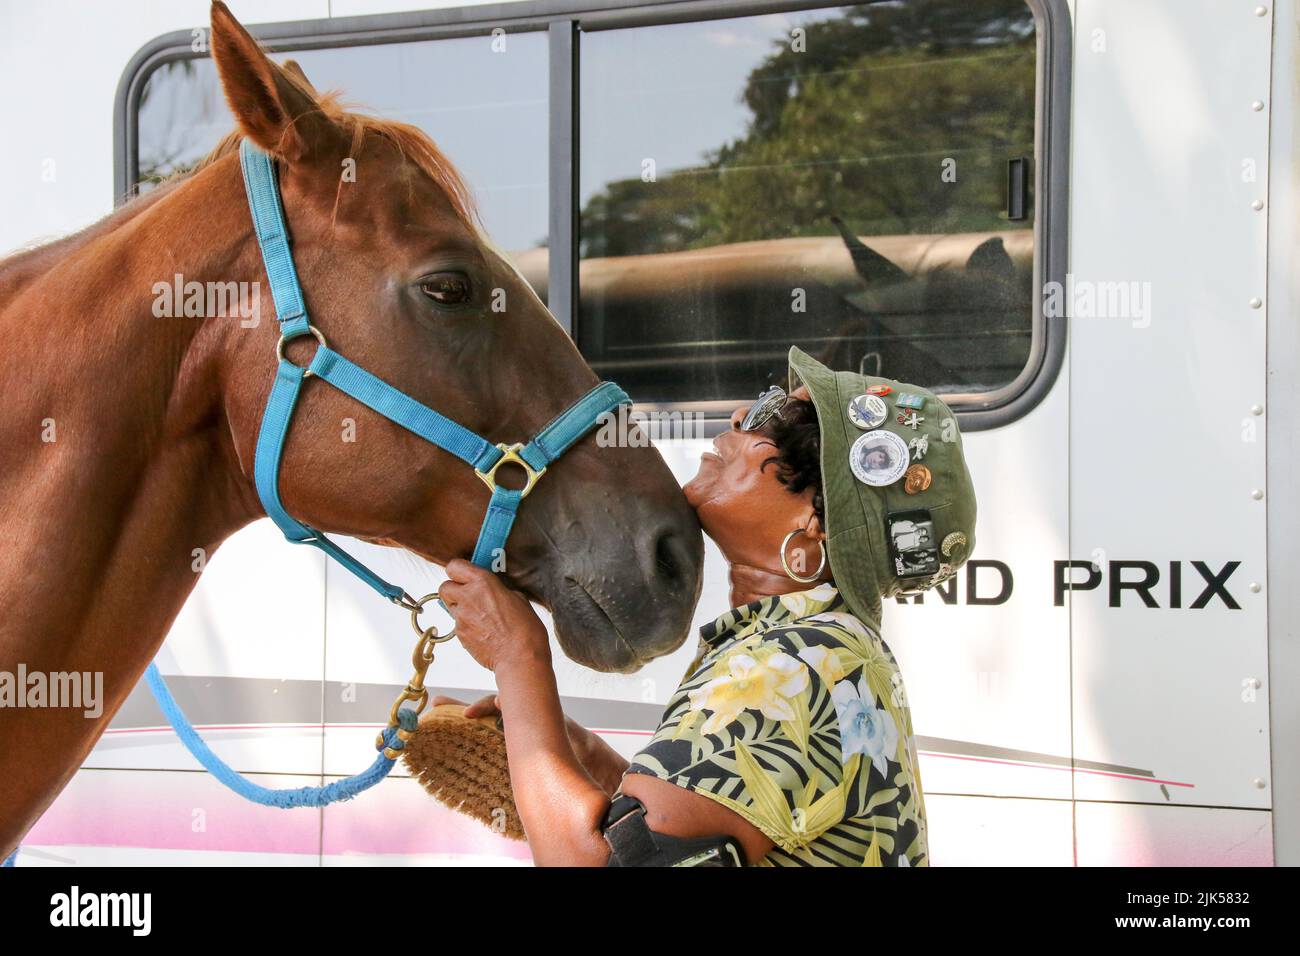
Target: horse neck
[(118, 473)]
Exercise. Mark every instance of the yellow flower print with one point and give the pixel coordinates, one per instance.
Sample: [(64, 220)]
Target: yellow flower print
[(822, 594), (764, 681), (802, 603), (825, 662), (795, 603)]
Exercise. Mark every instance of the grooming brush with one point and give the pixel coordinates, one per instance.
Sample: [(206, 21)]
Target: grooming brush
[(462, 762)]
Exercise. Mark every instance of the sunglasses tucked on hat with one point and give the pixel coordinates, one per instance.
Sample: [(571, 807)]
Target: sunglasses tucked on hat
[(903, 527)]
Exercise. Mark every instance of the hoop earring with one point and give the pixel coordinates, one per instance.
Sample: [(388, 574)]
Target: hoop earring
[(786, 567)]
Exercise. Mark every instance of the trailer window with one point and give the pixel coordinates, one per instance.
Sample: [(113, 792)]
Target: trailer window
[(837, 179), (482, 99)]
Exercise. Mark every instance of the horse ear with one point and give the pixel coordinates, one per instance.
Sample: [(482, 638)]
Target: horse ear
[(275, 112), (292, 67)]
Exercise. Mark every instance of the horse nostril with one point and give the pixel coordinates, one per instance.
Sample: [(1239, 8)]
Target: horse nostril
[(670, 557)]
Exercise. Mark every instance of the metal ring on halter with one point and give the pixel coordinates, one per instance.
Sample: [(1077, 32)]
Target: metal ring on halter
[(820, 567), (416, 607), (279, 348), (510, 456)]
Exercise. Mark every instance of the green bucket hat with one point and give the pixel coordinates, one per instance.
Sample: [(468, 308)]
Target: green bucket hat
[(882, 540)]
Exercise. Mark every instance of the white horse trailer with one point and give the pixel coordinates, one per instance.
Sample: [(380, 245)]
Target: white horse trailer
[(1077, 219)]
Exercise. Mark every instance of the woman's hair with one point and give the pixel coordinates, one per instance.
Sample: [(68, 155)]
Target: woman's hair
[(797, 436)]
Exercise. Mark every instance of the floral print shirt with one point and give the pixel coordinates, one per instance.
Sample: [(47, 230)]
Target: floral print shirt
[(794, 716)]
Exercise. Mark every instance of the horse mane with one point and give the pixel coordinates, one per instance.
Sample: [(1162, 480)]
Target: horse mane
[(411, 142)]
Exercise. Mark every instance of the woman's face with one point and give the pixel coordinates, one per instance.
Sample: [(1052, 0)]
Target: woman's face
[(741, 504)]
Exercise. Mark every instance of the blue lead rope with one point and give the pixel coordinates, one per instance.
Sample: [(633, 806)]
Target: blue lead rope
[(289, 799), (344, 789)]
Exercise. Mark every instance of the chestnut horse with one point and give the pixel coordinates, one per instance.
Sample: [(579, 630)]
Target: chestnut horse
[(127, 440)]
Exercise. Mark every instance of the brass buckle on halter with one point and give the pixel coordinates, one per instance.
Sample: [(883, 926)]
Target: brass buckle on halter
[(510, 455)]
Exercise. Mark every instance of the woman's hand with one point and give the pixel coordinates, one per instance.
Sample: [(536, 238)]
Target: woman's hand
[(489, 706), (495, 624)]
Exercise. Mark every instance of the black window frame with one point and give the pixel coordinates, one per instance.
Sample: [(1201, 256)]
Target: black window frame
[(565, 21)]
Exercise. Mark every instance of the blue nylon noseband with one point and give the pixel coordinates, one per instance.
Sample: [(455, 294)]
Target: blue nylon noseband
[(477, 452)]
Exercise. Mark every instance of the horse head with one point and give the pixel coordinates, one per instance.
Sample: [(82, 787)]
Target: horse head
[(400, 278)]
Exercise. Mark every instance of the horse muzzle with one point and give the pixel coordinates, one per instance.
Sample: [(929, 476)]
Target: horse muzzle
[(622, 600)]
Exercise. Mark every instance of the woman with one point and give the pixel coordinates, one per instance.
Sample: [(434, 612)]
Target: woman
[(790, 740)]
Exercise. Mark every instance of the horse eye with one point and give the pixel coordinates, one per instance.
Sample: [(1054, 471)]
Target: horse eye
[(447, 288)]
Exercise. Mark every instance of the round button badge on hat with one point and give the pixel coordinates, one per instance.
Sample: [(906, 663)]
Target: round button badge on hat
[(868, 411), (878, 458)]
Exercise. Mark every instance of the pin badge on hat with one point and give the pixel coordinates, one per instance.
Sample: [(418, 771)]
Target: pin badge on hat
[(919, 445), (868, 411), (878, 458), (878, 389), (910, 400), (913, 420), (911, 540), (917, 479)]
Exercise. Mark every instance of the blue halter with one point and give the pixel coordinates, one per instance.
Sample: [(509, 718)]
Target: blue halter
[(485, 458)]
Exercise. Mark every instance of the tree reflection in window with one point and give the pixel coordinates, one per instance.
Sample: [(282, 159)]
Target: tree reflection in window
[(868, 179)]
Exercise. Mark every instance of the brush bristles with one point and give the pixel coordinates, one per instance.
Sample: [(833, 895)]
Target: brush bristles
[(462, 762)]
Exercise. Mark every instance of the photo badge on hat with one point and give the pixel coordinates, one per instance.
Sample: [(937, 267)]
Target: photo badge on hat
[(868, 411), (878, 458), (911, 539)]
